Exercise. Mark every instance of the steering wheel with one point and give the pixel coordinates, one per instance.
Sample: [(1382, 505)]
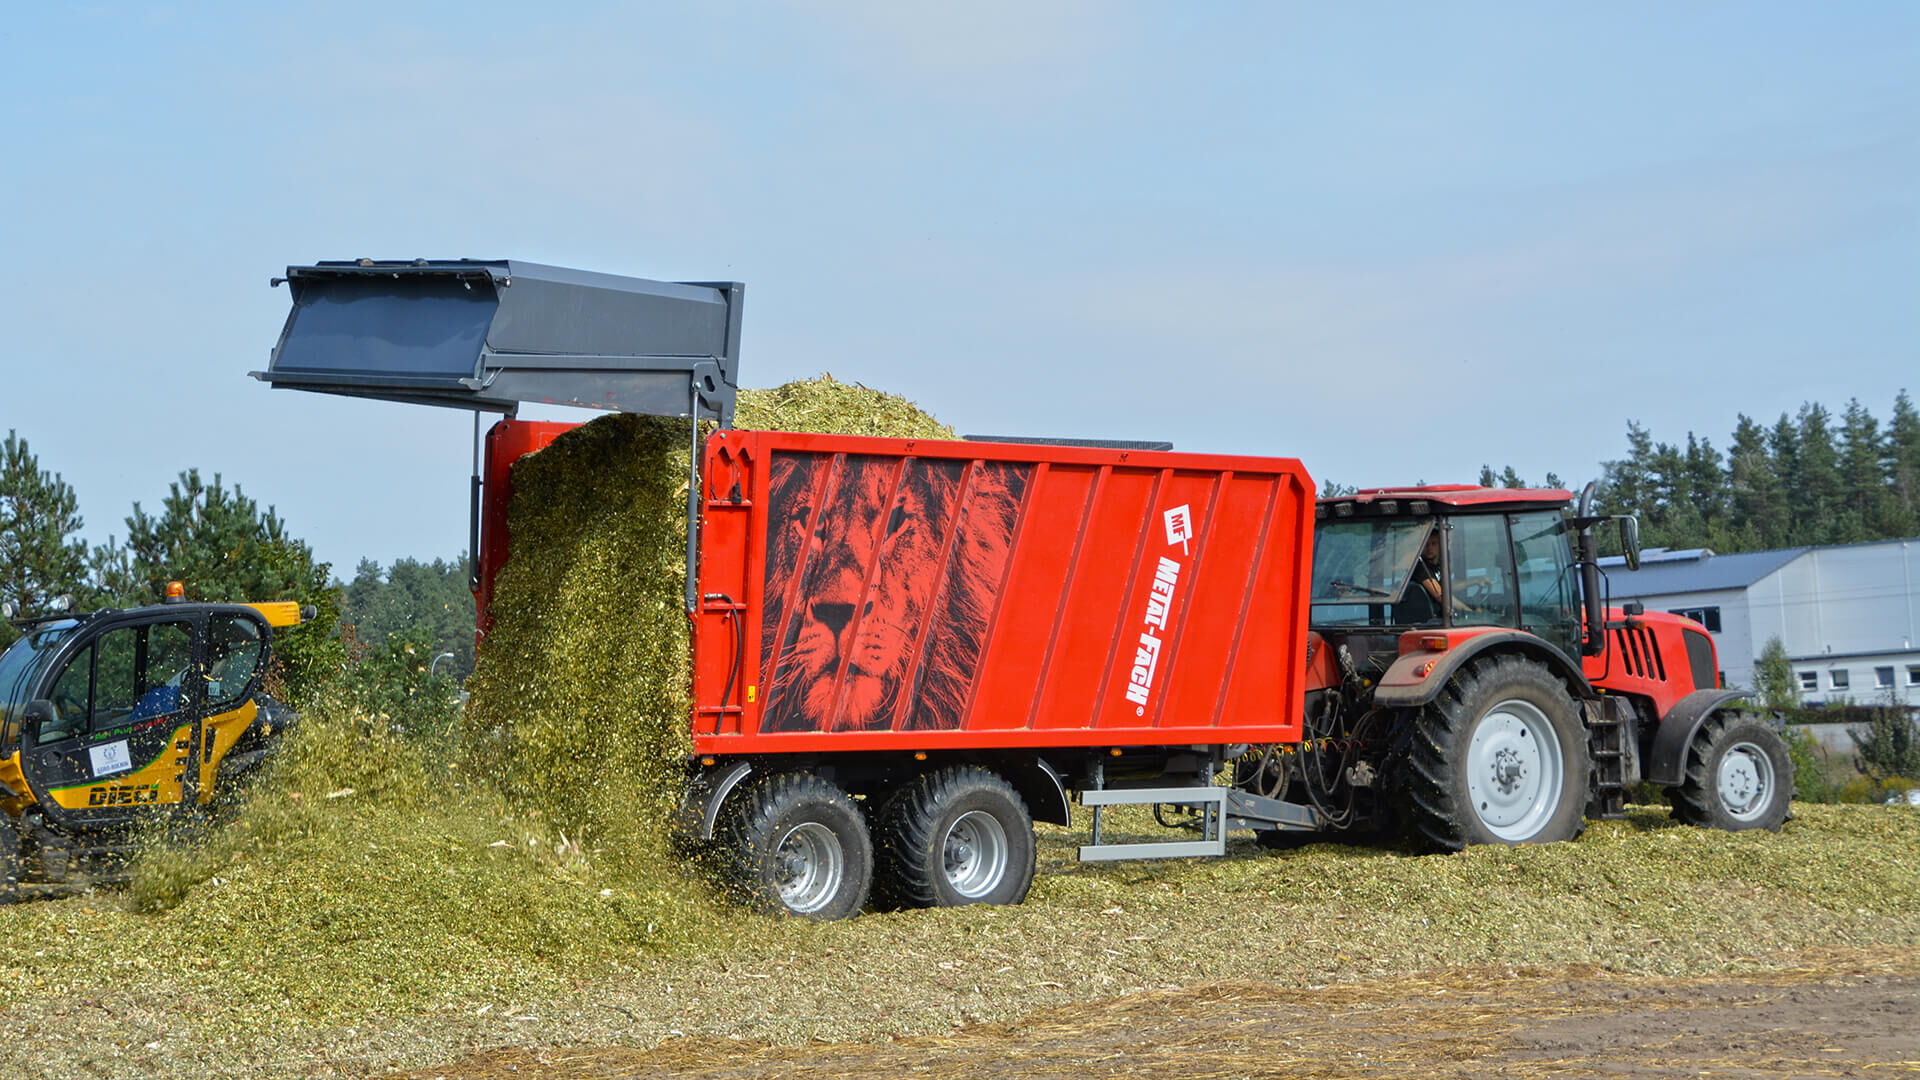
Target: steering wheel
[(1476, 591), (69, 707)]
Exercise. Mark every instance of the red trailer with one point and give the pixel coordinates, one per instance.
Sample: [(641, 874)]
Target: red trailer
[(907, 651), (951, 596)]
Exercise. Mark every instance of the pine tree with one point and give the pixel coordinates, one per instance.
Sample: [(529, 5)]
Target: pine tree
[(220, 545), (1624, 483), (1783, 442), (1759, 517), (1863, 475), (1903, 467), (1511, 479), (1329, 489), (1818, 493), (39, 514), (414, 596)]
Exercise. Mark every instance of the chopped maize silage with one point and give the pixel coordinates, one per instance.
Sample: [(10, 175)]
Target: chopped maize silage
[(580, 688), (826, 406)]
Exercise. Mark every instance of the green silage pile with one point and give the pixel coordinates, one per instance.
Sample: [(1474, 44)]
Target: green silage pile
[(826, 406), (579, 702), (579, 689)]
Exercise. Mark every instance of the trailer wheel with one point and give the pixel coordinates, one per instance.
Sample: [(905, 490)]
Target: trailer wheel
[(957, 836), (1499, 758), (799, 846), (1739, 776)]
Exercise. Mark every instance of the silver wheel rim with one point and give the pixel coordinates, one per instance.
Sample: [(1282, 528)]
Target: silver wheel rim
[(974, 854), (808, 864), (1745, 781), (1515, 770)]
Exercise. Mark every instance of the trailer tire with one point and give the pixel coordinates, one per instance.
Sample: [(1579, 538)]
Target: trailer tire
[(960, 835), (799, 846), (1739, 776), (1500, 757)]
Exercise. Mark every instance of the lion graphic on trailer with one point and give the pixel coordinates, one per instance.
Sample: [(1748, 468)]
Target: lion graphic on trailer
[(860, 551)]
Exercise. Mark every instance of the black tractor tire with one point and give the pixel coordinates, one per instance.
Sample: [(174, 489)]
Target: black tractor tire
[(1739, 776), (9, 861), (798, 845), (959, 835), (1499, 758)]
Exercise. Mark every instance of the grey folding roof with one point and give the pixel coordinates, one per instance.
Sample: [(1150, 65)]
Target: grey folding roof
[(1667, 573), (490, 334)]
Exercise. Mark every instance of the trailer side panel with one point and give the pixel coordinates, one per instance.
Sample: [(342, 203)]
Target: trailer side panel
[(873, 594)]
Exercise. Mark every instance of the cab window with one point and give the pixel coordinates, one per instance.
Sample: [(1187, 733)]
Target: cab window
[(132, 675), (235, 648), (72, 699), (1481, 567), (1547, 603)]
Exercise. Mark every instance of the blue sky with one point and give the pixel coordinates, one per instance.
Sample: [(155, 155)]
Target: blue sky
[(1395, 241)]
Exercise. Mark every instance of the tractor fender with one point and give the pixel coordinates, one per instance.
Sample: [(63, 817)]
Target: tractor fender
[(1667, 763), (1405, 685)]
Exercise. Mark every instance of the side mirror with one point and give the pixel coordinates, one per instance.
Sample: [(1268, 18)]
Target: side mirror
[(36, 716), (1630, 539)]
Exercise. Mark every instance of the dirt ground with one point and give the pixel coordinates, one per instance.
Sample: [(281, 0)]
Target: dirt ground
[(1844, 1014)]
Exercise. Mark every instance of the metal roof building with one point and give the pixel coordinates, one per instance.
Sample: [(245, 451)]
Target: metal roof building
[(1848, 615)]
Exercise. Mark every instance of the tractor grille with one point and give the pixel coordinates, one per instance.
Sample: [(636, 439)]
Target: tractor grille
[(1638, 654)]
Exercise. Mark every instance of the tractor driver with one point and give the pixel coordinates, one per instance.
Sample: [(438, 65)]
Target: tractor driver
[(1426, 575)]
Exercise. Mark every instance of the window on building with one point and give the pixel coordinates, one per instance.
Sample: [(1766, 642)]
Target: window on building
[(1913, 674), (1708, 617), (1809, 680), (1837, 679), (1883, 678)]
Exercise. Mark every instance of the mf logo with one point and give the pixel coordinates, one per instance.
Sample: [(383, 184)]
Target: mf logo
[(1180, 526)]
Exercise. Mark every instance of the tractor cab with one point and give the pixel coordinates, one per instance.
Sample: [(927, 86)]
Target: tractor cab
[(1388, 561), (115, 717)]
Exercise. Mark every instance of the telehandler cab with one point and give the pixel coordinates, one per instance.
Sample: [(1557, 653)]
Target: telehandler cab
[(118, 719)]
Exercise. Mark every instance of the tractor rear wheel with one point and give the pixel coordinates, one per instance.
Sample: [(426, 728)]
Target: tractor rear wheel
[(957, 836), (799, 846), (1739, 776), (1499, 758)]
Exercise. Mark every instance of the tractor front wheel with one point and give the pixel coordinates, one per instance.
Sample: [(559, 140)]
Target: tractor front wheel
[(800, 846), (1499, 758), (1739, 776)]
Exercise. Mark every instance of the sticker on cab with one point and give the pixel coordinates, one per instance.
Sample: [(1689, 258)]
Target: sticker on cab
[(111, 758)]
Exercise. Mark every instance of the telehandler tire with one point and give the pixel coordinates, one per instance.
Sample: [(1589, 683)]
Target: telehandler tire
[(1499, 758), (1739, 776), (799, 846), (9, 862), (956, 836)]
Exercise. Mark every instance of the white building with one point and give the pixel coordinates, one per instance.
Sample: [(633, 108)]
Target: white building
[(1849, 616)]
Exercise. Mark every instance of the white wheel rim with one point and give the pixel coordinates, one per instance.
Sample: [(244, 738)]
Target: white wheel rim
[(1745, 781), (1515, 770), (808, 864), (973, 854)]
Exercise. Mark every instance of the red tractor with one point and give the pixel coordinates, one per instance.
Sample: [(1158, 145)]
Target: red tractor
[(1467, 680)]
